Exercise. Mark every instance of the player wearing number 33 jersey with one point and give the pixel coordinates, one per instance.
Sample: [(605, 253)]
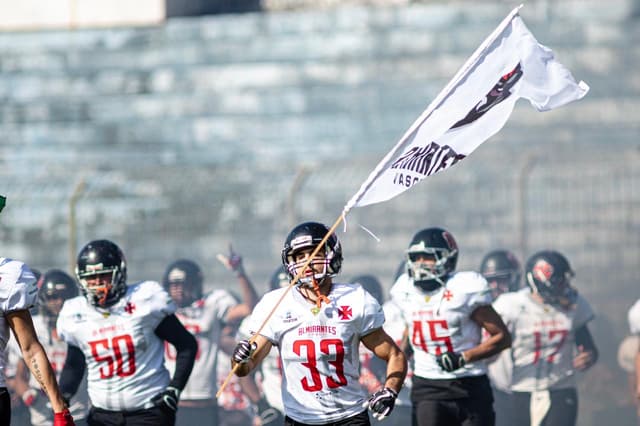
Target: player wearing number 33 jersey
[(318, 327), (118, 332), (444, 312)]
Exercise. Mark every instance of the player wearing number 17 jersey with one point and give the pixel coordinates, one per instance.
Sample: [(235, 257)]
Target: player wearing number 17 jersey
[(445, 312), (118, 332), (317, 327), (551, 342)]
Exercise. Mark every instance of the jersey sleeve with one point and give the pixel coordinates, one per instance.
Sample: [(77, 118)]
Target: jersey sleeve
[(64, 324), (372, 314), (584, 312), (505, 305), (18, 289), (219, 302), (634, 318), (477, 288), (158, 301), (257, 317)]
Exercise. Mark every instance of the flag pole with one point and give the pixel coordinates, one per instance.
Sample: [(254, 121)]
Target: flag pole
[(291, 285)]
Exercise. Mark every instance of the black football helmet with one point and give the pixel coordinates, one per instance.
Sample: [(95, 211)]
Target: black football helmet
[(549, 274), (55, 284), (188, 275), (432, 243), (502, 270), (309, 235), (279, 278), (102, 257), (372, 285)]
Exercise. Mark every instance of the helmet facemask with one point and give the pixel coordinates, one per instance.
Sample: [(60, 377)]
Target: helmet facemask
[(103, 293), (316, 271), (432, 273)]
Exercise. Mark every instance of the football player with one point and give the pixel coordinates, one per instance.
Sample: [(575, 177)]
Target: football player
[(18, 293), (117, 332), (264, 388), (502, 270), (444, 312), (318, 326), (54, 287), (551, 341), (634, 326), (206, 316)]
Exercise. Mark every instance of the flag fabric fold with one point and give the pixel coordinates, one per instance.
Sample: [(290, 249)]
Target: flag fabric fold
[(510, 64)]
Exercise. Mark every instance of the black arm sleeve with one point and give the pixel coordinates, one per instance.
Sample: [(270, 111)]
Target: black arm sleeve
[(171, 330), (584, 339), (72, 372)]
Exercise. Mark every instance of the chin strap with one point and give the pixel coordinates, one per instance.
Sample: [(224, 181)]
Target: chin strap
[(320, 297)]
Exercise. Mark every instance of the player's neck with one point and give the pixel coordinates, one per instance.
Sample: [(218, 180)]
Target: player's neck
[(311, 295)]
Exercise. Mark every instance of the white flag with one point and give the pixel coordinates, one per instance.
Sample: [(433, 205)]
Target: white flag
[(510, 64)]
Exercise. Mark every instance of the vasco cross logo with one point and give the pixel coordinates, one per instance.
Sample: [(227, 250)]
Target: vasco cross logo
[(345, 312)]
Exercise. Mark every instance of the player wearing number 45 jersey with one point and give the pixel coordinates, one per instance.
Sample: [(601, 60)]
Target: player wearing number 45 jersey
[(551, 342), (445, 312), (118, 332), (317, 327)]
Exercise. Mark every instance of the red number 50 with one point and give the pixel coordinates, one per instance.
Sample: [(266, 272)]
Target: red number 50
[(332, 347), (110, 352)]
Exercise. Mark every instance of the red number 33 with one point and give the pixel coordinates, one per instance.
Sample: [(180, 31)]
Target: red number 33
[(332, 347)]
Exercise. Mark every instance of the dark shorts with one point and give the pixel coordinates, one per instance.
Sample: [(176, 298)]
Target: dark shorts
[(152, 417), (562, 412), (467, 401), (361, 419)]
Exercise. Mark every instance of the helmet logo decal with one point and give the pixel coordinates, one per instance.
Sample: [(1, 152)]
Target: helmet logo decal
[(94, 268), (542, 270), (450, 241)]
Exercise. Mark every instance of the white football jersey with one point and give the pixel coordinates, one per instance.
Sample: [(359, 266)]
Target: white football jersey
[(269, 376), (56, 350), (499, 371), (543, 340), (395, 327), (204, 319), (18, 291), (124, 356), (440, 321), (634, 318), (319, 351)]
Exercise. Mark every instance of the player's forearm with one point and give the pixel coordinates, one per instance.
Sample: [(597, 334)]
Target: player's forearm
[(249, 294), (638, 374), (488, 348), (36, 359), (396, 370)]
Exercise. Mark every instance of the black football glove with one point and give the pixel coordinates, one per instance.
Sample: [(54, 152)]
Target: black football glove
[(167, 398), (450, 361), (381, 403), (268, 414), (243, 351)]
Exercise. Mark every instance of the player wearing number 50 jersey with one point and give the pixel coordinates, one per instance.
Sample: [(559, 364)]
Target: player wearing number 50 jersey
[(551, 341), (118, 331), (317, 327), (444, 312)]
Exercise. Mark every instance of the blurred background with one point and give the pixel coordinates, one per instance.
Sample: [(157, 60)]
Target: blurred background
[(177, 127)]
